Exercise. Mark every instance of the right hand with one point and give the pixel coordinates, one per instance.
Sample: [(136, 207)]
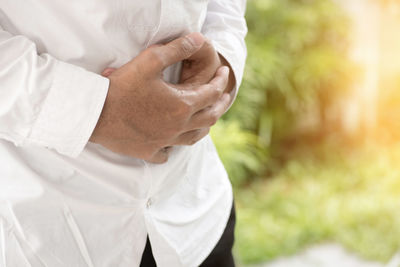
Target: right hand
[(143, 115)]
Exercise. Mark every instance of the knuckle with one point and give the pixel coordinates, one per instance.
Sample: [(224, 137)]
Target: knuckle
[(195, 137), (214, 116), (189, 106), (154, 57), (217, 93), (148, 155), (175, 133), (176, 113), (185, 107), (214, 92), (192, 142), (190, 138), (198, 135), (159, 158), (186, 48), (182, 50), (178, 129), (171, 132)]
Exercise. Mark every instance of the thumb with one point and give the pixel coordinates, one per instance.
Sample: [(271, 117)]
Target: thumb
[(177, 50)]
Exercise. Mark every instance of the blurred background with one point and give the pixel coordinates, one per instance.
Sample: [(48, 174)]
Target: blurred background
[(312, 143)]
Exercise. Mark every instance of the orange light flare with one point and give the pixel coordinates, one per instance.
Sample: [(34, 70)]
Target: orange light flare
[(375, 99), (389, 72)]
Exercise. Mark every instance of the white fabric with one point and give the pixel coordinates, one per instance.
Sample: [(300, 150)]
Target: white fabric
[(66, 202)]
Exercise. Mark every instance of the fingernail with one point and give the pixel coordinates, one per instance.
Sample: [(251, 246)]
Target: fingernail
[(196, 39), (227, 97), (225, 70)]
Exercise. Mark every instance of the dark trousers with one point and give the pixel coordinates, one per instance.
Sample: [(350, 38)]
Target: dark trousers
[(220, 256)]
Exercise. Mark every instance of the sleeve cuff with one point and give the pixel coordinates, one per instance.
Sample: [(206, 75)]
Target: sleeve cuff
[(70, 111), (233, 51)]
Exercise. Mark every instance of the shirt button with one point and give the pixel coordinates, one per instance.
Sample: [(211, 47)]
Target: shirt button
[(149, 203)]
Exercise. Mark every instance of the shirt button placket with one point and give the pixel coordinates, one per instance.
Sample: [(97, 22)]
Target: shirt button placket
[(149, 203), (148, 200)]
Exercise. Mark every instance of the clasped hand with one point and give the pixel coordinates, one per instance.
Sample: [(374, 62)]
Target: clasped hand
[(144, 116)]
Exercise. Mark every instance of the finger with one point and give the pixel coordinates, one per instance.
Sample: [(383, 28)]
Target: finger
[(207, 47), (107, 72), (208, 94), (176, 50), (209, 116), (191, 137), (155, 45)]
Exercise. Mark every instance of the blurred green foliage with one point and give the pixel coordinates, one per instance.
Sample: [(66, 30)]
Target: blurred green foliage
[(320, 191), (297, 63), (239, 150), (326, 193)]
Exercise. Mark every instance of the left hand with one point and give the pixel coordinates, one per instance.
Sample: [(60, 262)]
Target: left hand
[(200, 69)]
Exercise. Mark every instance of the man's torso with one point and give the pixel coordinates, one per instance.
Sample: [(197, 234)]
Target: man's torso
[(96, 209)]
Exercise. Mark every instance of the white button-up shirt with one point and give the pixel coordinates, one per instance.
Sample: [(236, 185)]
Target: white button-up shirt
[(66, 202)]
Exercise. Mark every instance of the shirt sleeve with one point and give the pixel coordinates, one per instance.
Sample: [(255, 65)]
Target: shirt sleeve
[(46, 102), (225, 26)]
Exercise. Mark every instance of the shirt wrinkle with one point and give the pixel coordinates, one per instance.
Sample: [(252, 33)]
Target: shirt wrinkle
[(67, 202)]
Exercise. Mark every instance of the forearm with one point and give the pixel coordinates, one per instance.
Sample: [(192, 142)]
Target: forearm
[(46, 102)]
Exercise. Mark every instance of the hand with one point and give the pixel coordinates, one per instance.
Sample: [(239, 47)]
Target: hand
[(201, 67), (144, 115)]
